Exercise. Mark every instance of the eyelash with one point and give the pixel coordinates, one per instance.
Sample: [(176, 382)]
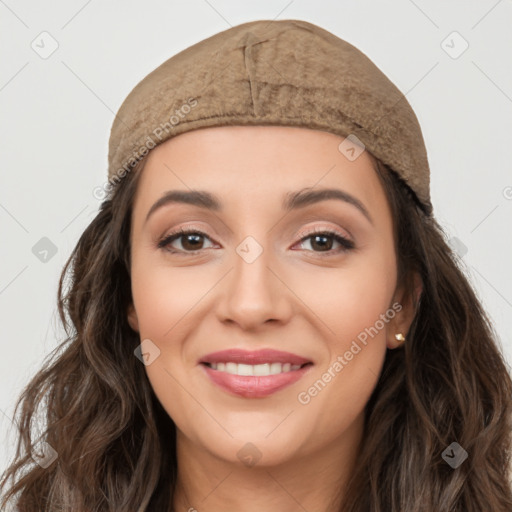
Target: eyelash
[(346, 244)]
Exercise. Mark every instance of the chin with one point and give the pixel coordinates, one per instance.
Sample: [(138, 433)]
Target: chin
[(260, 443), (253, 453)]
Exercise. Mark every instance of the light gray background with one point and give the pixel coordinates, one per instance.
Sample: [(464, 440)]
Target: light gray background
[(57, 112)]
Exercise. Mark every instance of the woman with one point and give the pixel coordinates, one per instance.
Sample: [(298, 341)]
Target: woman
[(265, 315)]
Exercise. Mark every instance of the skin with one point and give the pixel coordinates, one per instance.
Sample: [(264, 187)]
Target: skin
[(294, 297)]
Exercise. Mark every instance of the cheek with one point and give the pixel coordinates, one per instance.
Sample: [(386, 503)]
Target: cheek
[(354, 306), (165, 296), (351, 298), (167, 301)]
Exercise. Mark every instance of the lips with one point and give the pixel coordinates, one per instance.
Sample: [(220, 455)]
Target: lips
[(254, 374)]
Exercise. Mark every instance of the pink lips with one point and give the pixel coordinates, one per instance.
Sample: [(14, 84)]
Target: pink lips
[(252, 386)]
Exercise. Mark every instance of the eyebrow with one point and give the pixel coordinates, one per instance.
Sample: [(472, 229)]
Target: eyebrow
[(291, 201)]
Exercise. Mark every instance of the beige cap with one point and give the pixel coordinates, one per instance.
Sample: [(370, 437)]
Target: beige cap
[(284, 72)]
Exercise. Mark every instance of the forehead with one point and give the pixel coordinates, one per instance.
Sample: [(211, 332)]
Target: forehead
[(256, 164)]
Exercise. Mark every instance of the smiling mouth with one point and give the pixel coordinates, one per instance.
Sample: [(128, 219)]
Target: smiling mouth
[(254, 370)]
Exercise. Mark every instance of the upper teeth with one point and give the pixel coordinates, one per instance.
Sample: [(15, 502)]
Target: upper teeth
[(254, 369)]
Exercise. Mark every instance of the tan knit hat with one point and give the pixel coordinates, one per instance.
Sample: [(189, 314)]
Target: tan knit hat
[(285, 72)]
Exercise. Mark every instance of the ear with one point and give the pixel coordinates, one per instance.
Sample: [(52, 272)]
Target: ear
[(404, 316), (132, 318)]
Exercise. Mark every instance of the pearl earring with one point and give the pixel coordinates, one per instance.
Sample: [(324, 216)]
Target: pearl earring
[(400, 337)]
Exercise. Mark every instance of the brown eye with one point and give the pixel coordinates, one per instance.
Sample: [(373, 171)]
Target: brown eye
[(323, 241), (190, 241)]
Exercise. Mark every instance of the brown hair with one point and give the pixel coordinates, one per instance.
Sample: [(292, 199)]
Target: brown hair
[(116, 444)]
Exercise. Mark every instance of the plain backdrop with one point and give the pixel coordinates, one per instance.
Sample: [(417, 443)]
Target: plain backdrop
[(67, 66)]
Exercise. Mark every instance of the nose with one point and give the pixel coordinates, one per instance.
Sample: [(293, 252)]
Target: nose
[(255, 291)]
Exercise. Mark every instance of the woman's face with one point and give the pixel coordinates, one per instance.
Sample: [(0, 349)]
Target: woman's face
[(306, 316)]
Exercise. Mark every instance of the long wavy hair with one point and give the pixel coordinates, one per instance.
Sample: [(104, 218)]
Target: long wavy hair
[(115, 443)]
